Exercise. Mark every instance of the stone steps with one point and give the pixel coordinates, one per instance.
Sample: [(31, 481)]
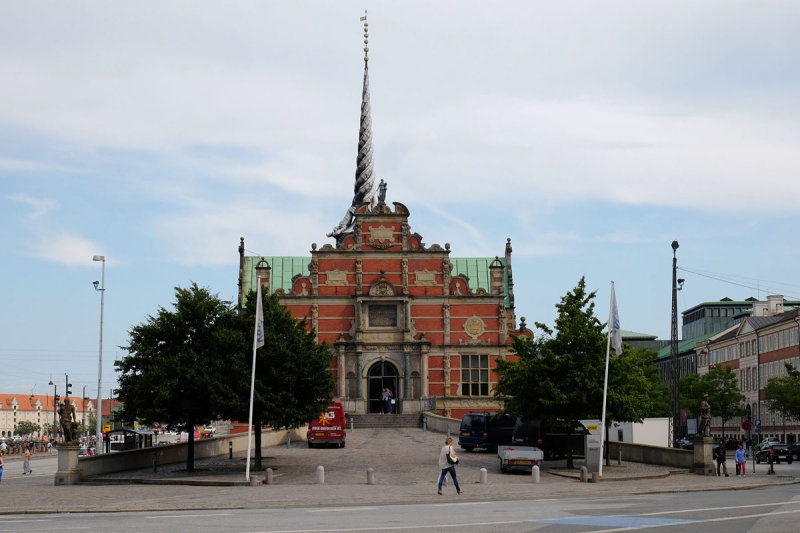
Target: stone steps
[(384, 421)]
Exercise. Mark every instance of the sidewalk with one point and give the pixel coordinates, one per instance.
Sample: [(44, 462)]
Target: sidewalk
[(405, 471)]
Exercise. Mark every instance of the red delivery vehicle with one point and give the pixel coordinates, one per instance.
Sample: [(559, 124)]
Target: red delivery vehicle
[(329, 427)]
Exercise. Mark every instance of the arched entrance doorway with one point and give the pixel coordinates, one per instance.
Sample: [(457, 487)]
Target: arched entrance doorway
[(380, 375)]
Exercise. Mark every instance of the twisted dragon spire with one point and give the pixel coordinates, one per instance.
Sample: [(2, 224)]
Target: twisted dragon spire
[(364, 189)]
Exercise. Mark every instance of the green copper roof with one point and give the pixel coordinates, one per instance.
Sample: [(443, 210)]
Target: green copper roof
[(686, 345), (285, 268)]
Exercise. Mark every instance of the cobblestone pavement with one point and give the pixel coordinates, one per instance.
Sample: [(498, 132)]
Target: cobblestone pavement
[(405, 468)]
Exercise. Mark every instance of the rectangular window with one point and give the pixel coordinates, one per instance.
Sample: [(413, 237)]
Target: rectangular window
[(475, 375), (382, 316)]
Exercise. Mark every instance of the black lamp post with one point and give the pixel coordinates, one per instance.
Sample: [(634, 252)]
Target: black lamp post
[(677, 284)]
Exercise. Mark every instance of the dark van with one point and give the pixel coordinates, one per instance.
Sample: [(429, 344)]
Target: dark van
[(555, 442), (485, 430)]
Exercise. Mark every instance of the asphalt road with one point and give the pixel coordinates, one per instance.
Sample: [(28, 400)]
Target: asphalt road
[(770, 509)]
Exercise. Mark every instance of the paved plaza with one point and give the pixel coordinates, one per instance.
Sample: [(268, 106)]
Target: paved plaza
[(405, 470)]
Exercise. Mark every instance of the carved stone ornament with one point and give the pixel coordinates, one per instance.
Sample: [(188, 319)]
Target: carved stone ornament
[(475, 327), (382, 288), (381, 236), (336, 277), (425, 277)]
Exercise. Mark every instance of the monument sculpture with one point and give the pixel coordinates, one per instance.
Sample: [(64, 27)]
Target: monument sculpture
[(705, 417), (68, 422)]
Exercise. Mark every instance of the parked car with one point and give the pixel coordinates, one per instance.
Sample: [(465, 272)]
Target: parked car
[(794, 450), (555, 441), (86, 452), (485, 430), (778, 451), (686, 443)]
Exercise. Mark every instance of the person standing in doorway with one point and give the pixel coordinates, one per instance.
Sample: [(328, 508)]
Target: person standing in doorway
[(447, 462), (385, 400), (741, 460), (26, 461)]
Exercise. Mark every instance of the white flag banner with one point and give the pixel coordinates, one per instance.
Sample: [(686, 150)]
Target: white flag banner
[(258, 336), (613, 324)]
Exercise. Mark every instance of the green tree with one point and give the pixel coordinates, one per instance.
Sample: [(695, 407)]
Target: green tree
[(183, 364), (558, 378), (724, 396), (26, 427), (293, 382), (783, 395)]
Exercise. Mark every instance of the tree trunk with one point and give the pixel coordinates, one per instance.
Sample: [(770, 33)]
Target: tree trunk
[(257, 432)]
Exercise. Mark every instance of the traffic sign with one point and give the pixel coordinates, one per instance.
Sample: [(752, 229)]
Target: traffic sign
[(106, 428), (758, 426), (684, 414), (746, 425)]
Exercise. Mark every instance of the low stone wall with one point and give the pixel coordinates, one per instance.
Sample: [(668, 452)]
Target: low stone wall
[(654, 455), (441, 424), (176, 453)]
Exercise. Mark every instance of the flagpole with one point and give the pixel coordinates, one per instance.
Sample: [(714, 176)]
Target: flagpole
[(259, 328), (613, 330), (605, 394)]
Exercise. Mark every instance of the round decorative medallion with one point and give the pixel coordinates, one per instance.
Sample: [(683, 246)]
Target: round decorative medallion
[(474, 327)]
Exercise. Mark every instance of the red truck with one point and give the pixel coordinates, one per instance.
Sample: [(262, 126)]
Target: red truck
[(329, 428)]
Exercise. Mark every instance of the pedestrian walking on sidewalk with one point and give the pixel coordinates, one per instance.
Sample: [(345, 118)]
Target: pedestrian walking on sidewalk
[(1, 467), (719, 455), (26, 461), (447, 462), (741, 460)]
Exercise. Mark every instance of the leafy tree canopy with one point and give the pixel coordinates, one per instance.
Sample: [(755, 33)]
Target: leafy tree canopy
[(293, 382), (558, 375), (783, 393), (181, 363), (721, 385), (26, 427)]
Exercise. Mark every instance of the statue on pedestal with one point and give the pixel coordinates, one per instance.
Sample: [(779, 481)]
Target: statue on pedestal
[(69, 422), (704, 430)]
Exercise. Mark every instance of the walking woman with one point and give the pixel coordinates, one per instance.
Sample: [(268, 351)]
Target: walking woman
[(26, 461), (447, 462)]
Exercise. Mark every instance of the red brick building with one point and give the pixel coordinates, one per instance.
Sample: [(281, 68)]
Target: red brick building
[(398, 313)]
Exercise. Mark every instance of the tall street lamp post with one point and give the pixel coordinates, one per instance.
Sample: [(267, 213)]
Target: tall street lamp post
[(677, 284), (99, 414)]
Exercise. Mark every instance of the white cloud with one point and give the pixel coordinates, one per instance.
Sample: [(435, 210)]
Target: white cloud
[(65, 248), (40, 206)]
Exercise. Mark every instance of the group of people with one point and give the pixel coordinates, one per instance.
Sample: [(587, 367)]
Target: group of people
[(26, 461), (387, 401), (720, 458)]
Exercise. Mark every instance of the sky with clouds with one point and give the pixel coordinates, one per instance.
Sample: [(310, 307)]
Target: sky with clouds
[(593, 134)]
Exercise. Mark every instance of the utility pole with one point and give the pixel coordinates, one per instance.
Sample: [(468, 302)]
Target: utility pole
[(675, 427)]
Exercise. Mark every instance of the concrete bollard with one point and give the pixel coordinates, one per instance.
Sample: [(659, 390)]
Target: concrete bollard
[(424, 423), (288, 441), (619, 460), (584, 474), (269, 478), (320, 480), (535, 474), (256, 481), (595, 477), (370, 476), (484, 476), (351, 424)]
